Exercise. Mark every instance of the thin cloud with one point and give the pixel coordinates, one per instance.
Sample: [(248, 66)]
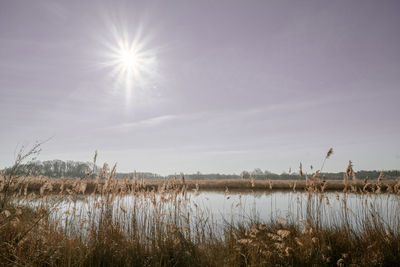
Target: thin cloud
[(149, 122)]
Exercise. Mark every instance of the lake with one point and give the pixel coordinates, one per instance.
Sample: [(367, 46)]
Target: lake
[(219, 209)]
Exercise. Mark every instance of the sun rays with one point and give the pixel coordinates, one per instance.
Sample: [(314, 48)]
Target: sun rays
[(132, 64)]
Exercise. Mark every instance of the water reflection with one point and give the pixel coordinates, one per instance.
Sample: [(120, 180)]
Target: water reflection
[(218, 208)]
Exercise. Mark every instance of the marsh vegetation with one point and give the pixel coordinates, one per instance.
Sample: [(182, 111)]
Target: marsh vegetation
[(99, 220)]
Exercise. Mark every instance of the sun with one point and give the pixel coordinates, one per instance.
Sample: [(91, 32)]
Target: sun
[(132, 64), (128, 59)]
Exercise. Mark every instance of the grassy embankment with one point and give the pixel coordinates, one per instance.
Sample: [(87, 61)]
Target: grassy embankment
[(35, 184)]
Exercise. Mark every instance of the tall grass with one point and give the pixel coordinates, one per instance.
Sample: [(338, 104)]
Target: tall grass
[(42, 224)]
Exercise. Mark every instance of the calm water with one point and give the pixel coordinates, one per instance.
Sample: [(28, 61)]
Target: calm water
[(221, 208)]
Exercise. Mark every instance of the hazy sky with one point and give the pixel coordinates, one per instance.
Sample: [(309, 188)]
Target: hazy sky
[(231, 85)]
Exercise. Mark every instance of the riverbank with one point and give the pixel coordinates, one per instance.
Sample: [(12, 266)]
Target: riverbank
[(45, 185)]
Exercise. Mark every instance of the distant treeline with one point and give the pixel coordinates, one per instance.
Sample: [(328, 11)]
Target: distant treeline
[(75, 169), (266, 175), (58, 168)]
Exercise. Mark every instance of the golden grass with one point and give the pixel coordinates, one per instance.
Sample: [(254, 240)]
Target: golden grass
[(160, 227), (46, 185)]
